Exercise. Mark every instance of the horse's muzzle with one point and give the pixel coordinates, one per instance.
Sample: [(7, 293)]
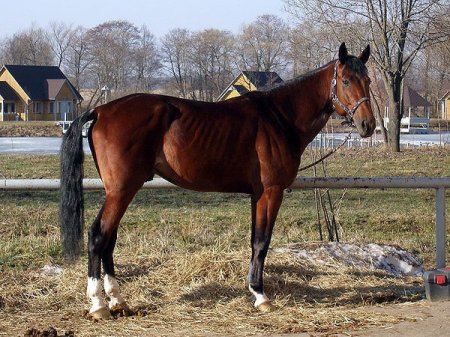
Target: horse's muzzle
[(365, 127)]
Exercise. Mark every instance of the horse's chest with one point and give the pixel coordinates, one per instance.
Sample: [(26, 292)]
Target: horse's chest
[(278, 161)]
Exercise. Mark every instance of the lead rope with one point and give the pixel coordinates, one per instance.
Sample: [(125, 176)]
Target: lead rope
[(328, 154)]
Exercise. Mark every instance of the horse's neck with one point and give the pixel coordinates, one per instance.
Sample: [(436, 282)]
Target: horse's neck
[(313, 108), (309, 102)]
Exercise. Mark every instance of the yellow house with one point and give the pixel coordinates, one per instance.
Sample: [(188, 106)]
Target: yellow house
[(445, 106), (250, 81), (36, 93)]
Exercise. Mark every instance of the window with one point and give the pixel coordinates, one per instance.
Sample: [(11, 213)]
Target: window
[(51, 107), (65, 107), (9, 108), (37, 107)]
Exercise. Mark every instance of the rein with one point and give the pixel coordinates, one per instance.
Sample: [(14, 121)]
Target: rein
[(328, 154), (335, 99)]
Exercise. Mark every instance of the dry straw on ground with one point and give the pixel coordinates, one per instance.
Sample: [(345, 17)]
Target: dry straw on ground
[(203, 293), (182, 258)]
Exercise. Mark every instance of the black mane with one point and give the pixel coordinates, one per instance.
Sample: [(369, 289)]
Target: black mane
[(300, 78), (353, 63)]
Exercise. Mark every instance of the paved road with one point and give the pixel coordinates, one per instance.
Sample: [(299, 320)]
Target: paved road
[(34, 145), (432, 138), (51, 145)]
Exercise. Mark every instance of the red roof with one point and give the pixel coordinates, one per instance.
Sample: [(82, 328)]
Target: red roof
[(412, 98), (54, 87)]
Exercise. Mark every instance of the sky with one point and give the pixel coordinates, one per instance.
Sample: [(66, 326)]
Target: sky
[(159, 16)]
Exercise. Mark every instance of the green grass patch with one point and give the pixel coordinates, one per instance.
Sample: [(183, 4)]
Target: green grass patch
[(184, 220)]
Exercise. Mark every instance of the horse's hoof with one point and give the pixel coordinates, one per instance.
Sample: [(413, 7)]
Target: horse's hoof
[(121, 310), (266, 307), (101, 314)]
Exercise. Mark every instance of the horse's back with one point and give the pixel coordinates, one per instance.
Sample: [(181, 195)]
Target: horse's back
[(197, 145), (210, 147), (228, 146)]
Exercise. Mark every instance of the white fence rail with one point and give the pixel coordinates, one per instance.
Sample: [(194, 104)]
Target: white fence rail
[(438, 184), (413, 139)]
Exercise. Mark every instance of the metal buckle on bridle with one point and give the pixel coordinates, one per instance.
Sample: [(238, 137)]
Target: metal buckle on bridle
[(335, 99)]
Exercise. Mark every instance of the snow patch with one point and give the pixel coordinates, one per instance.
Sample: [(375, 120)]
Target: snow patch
[(49, 270), (392, 260)]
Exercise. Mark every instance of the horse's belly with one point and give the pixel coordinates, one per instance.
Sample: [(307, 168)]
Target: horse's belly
[(197, 171)]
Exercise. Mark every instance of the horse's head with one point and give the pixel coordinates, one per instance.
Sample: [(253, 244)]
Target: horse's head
[(350, 90)]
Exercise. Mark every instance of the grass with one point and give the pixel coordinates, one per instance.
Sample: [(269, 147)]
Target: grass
[(182, 257)]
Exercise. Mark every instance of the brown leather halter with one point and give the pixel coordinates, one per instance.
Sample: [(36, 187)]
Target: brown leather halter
[(335, 99)]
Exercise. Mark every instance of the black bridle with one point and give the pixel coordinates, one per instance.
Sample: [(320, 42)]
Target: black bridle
[(335, 99)]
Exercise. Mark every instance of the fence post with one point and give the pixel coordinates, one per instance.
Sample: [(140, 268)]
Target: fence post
[(440, 227)]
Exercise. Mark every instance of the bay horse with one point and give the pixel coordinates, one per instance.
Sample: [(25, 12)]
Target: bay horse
[(250, 144)]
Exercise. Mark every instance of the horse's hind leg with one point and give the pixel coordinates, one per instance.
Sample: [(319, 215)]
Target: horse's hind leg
[(102, 239), (116, 301), (94, 287)]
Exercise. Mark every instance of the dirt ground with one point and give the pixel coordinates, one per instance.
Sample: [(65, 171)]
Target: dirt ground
[(425, 318), (429, 319)]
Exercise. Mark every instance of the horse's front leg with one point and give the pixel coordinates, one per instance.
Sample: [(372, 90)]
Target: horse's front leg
[(264, 212)]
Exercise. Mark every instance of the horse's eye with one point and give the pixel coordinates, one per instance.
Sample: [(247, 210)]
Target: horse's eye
[(346, 83)]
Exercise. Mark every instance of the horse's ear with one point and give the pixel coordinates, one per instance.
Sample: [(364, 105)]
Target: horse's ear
[(364, 56), (343, 53)]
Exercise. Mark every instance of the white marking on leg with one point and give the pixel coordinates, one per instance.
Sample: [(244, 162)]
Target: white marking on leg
[(260, 298), (112, 291), (94, 292)]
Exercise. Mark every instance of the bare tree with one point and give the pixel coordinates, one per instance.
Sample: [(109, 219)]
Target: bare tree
[(29, 47), (378, 99), (441, 65), (4, 42), (262, 44), (146, 59), (60, 38), (431, 72), (77, 66), (176, 49), (112, 44), (397, 31), (212, 59), (78, 58), (309, 47)]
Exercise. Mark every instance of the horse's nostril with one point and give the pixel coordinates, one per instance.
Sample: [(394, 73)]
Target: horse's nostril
[(365, 125)]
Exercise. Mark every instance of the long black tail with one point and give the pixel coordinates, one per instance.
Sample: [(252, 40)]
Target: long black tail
[(71, 188)]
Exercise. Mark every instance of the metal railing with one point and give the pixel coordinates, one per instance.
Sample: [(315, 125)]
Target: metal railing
[(438, 184)]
